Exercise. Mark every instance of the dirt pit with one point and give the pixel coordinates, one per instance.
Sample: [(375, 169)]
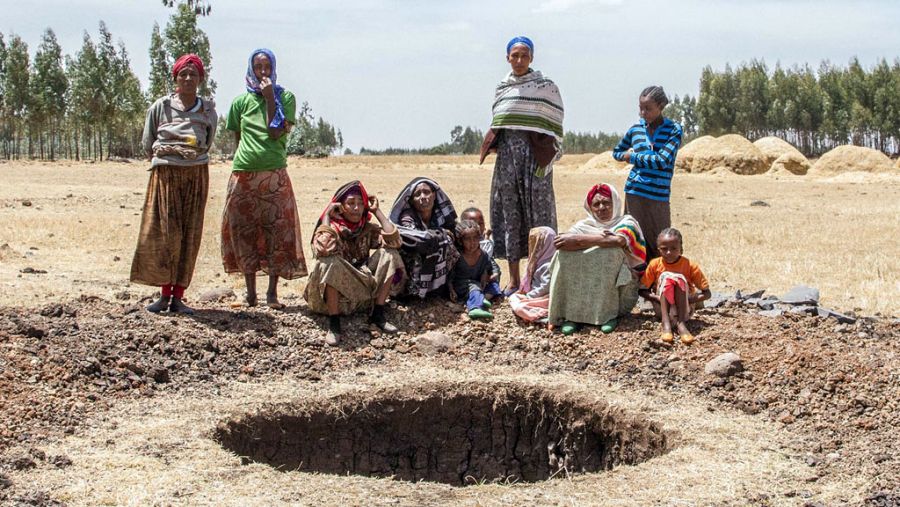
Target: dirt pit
[(458, 435)]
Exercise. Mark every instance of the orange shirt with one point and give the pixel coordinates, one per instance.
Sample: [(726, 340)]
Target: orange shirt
[(691, 271)]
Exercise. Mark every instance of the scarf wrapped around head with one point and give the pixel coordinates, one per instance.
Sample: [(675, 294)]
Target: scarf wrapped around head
[(520, 40), (340, 224), (188, 59), (443, 215), (252, 83), (540, 252), (619, 224)]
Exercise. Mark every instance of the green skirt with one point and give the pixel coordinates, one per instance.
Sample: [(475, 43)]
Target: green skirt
[(591, 286)]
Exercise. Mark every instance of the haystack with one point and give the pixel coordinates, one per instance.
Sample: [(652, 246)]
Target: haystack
[(774, 147), (685, 158), (603, 162), (732, 152), (793, 163), (852, 159)]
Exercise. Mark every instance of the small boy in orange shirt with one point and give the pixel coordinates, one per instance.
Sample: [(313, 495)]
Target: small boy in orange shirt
[(671, 282)]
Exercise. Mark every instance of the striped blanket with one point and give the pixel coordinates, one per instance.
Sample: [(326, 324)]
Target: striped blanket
[(528, 102)]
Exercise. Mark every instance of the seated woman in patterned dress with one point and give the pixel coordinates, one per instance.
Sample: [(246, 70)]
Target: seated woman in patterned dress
[(594, 275), (427, 220), (357, 263)]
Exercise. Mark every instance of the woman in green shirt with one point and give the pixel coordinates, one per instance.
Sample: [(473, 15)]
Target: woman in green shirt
[(260, 226)]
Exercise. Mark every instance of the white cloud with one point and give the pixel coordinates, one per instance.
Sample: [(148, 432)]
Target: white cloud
[(565, 5)]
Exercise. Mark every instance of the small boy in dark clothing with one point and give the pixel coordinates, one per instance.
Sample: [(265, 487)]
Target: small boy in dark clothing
[(471, 277)]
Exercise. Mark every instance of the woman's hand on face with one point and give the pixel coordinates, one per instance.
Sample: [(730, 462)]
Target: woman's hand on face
[(334, 210), (373, 204), (265, 86)]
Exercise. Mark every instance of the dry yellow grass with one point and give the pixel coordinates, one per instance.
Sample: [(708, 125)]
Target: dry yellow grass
[(159, 452), (838, 233)]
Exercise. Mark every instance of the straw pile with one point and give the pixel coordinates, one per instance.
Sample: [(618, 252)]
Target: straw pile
[(781, 156), (685, 158), (731, 152), (853, 159), (603, 162)]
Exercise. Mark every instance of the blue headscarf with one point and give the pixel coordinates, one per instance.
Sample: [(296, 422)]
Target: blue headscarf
[(253, 86), (521, 39)]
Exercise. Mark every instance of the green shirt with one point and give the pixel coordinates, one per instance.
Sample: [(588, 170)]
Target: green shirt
[(257, 151)]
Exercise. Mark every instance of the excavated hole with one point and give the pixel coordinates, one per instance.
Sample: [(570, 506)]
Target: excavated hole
[(457, 434)]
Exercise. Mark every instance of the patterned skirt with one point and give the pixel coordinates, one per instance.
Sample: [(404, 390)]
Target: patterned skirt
[(171, 226), (260, 226), (520, 199)]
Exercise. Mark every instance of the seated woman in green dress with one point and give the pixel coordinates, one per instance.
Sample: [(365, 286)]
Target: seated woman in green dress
[(594, 275)]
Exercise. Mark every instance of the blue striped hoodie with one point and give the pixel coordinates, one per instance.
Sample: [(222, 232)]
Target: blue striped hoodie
[(653, 159)]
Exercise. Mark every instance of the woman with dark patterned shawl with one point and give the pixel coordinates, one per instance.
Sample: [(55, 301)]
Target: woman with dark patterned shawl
[(594, 274), (177, 135), (526, 132), (260, 226), (426, 218), (357, 262)]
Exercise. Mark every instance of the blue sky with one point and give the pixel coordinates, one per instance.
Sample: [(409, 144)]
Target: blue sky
[(404, 72)]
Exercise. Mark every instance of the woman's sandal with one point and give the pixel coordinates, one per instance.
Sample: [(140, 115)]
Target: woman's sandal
[(568, 328), (609, 326), (667, 337), (687, 339)]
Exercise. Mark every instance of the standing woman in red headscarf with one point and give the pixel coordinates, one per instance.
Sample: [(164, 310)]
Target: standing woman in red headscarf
[(178, 133)]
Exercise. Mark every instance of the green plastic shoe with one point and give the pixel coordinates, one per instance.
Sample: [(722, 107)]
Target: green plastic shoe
[(568, 328), (609, 326), (487, 304), (478, 313)]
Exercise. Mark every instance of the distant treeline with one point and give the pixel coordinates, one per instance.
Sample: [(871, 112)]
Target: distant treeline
[(90, 105), (814, 110)]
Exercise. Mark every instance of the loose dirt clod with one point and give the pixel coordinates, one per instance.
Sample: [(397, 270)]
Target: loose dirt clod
[(458, 434)]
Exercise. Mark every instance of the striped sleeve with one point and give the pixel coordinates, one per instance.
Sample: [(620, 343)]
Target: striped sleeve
[(633, 240), (621, 148), (664, 159)]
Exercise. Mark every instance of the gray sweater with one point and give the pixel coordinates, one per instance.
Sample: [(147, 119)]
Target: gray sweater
[(173, 136)]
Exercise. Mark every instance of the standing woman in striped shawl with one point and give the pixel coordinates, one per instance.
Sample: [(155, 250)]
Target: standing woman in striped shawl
[(526, 132), (177, 135), (650, 146), (260, 226)]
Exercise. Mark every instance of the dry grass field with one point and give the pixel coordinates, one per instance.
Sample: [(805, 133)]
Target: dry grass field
[(78, 222), (102, 403)]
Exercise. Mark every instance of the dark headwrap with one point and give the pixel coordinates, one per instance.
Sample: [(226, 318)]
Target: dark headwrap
[(253, 86), (521, 39), (188, 59), (444, 214), (344, 227)]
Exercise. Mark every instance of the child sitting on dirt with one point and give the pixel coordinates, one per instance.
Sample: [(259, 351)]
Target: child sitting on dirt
[(472, 273), (531, 302), (487, 244), (671, 283)]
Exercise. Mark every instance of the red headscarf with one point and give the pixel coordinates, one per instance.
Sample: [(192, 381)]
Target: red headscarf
[(188, 59), (339, 222), (602, 189)]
